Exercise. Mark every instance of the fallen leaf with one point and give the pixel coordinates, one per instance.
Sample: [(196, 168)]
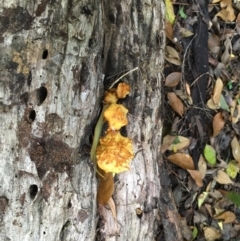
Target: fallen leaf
[(186, 33), (217, 91), (185, 229), (188, 90), (238, 24), (218, 123), (209, 209), (182, 160), (202, 166), (213, 43), (215, 194), (194, 232), (236, 117), (226, 56), (169, 30), (175, 103), (230, 10), (222, 177), (197, 177), (172, 56), (179, 143), (235, 149), (223, 104), (170, 16), (210, 155), (181, 13), (167, 141), (227, 217), (199, 218), (234, 197), (202, 198), (211, 234), (211, 105), (232, 169), (173, 79)]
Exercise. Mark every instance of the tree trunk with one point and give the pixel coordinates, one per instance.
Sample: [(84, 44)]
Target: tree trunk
[(57, 57)]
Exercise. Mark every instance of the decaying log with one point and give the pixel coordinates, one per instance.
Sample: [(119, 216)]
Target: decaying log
[(57, 57)]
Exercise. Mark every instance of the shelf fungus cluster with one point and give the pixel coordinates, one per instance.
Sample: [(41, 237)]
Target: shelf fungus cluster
[(113, 152)]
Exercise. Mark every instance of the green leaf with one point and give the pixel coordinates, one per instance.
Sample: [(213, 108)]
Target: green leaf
[(229, 84), (223, 104), (234, 197), (170, 16), (194, 232), (181, 13), (176, 140), (232, 169), (210, 154)]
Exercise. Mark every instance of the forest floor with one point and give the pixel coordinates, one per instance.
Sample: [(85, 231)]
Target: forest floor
[(202, 116)]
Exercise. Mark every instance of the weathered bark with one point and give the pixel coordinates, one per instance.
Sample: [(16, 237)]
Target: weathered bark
[(54, 56)]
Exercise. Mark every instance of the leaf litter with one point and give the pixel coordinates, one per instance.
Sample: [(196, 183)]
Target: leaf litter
[(202, 117)]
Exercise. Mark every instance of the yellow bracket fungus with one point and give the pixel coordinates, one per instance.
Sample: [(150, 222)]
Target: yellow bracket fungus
[(116, 116), (114, 152)]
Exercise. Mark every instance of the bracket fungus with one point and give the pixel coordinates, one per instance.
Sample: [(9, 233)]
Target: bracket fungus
[(114, 152), (116, 116)]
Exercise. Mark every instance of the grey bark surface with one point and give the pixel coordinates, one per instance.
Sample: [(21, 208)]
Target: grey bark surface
[(57, 57)]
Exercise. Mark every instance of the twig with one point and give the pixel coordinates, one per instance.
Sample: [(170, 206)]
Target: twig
[(198, 78), (130, 71)]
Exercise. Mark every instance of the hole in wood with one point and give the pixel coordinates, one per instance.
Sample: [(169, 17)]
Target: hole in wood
[(41, 94), (33, 189), (45, 54), (32, 115)]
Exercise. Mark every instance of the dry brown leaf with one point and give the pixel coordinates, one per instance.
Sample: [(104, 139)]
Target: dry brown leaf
[(182, 143), (222, 177), (211, 105), (197, 177), (238, 23), (216, 1), (211, 234), (167, 141), (217, 91), (235, 114), (185, 229), (202, 166), (172, 56), (182, 160), (227, 12), (188, 90), (173, 79), (218, 123), (213, 43), (175, 103), (227, 217), (209, 209), (223, 14), (226, 56), (169, 30), (235, 149), (228, 4), (186, 33)]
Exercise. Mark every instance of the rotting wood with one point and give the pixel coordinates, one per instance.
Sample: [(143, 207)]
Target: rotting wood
[(54, 56)]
